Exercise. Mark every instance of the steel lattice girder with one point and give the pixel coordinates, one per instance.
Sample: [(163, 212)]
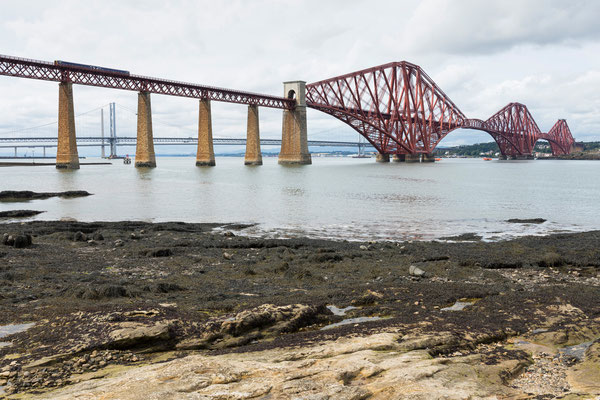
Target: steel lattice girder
[(560, 138), (396, 106), (400, 110), (43, 70), (514, 129)]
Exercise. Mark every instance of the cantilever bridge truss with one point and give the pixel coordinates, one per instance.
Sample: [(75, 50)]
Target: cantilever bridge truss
[(400, 110), (396, 106)]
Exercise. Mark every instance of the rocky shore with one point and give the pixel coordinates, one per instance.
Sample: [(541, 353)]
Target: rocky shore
[(134, 310)]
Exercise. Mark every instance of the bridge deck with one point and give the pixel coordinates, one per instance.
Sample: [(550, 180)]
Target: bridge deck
[(115, 79)]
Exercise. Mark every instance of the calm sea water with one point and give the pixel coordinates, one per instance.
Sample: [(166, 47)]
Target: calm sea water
[(342, 198)]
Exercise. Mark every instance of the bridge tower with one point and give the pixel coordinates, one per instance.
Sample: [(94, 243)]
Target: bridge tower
[(66, 152), (113, 130), (102, 154), (294, 139)]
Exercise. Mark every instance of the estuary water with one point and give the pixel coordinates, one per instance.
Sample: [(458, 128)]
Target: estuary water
[(342, 198)]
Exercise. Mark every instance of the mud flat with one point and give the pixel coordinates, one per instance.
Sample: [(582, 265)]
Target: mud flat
[(134, 310)]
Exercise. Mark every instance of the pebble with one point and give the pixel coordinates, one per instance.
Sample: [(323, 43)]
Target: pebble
[(546, 376), (79, 237), (59, 374), (415, 271)]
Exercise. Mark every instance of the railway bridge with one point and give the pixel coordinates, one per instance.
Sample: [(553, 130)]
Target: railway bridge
[(397, 107)]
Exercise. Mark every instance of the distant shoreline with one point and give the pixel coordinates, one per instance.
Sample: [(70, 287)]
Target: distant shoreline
[(34, 164)]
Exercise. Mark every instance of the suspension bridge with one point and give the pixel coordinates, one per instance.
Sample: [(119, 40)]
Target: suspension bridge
[(92, 133)]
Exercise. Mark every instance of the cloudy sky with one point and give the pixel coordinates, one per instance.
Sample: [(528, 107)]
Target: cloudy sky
[(483, 54)]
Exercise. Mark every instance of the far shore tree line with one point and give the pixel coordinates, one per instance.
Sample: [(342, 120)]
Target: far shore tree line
[(491, 149)]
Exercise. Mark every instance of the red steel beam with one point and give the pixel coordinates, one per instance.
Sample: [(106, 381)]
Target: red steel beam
[(48, 71)]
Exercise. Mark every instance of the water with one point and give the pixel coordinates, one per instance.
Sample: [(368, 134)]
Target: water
[(458, 306), (6, 330), (343, 198), (577, 351), (340, 311), (358, 320)]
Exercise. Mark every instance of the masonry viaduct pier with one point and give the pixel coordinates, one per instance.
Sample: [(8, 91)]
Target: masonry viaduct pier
[(396, 106), (294, 135)]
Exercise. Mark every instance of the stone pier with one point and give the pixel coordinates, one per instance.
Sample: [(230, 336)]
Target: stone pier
[(253, 154), (428, 157), (382, 158), (66, 152), (398, 158), (412, 158), (144, 149), (205, 156), (294, 139)]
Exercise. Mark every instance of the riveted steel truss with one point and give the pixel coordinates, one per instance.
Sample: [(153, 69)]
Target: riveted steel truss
[(560, 138), (400, 110), (514, 129), (43, 70), (395, 106)]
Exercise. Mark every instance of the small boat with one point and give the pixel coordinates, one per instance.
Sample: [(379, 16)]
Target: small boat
[(487, 159), (126, 160)]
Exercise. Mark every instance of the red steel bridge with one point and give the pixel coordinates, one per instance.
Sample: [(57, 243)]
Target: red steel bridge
[(400, 110), (397, 107)]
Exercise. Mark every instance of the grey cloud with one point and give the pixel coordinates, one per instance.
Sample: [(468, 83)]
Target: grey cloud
[(484, 27)]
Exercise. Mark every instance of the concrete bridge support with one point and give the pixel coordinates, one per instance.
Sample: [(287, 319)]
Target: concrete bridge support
[(428, 157), (205, 156), (66, 151), (144, 150), (412, 158), (253, 154), (294, 139), (398, 158), (382, 158)]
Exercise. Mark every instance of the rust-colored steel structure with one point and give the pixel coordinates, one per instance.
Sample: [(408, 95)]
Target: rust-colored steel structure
[(400, 110), (116, 79), (396, 107), (560, 138)]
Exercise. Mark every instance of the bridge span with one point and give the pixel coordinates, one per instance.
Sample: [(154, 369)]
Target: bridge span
[(397, 107), (95, 141)]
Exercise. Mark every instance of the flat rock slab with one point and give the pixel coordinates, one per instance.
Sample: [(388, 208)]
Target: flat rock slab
[(373, 367), (131, 334)]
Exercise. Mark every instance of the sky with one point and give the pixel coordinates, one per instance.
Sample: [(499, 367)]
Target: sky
[(483, 54)]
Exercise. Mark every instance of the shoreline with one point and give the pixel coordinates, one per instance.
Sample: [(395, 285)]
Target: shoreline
[(128, 294)]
